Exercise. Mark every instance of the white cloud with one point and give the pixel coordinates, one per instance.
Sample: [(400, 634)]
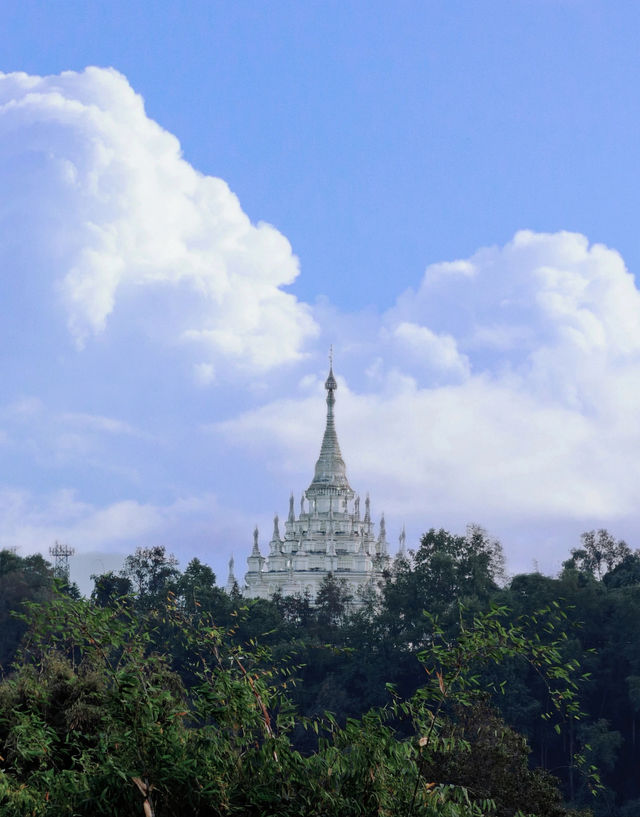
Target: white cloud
[(540, 290), (73, 447), (539, 428), (125, 223), (204, 374), (98, 423), (33, 522), (23, 409), (439, 352), (102, 534)]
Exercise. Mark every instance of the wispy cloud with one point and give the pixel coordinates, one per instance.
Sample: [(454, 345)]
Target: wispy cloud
[(100, 424)]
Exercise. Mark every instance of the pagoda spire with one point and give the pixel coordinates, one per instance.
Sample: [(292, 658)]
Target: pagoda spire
[(256, 548), (276, 541), (403, 542), (292, 515), (330, 471), (382, 538), (231, 581)]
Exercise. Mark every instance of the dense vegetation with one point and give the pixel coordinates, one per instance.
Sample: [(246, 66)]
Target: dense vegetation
[(451, 692)]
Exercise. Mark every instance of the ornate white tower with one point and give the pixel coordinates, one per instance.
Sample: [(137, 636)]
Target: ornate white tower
[(328, 536)]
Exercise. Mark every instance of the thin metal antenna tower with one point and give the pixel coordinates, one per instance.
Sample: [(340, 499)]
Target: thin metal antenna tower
[(61, 554)]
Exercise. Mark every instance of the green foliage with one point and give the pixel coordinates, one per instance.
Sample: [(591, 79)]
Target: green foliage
[(333, 602), (154, 641), (109, 586), (455, 672), (21, 580), (459, 566), (95, 720), (152, 573), (600, 552), (492, 762)]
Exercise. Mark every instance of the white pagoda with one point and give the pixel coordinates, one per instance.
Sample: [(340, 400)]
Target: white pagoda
[(329, 535)]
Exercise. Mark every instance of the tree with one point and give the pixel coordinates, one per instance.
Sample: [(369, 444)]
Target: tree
[(599, 553), (453, 567), (153, 574), (625, 573), (333, 601), (493, 762), (296, 610), (22, 580), (107, 587), (445, 570), (197, 589)]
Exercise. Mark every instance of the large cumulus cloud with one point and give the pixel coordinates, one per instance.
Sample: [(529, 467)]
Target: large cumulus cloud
[(121, 221), (546, 308), (505, 389)]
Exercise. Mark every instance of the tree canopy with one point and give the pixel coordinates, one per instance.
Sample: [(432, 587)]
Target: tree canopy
[(519, 685)]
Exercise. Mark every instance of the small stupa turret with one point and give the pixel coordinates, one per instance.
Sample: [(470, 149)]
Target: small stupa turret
[(383, 545), (255, 564), (232, 583), (292, 513), (402, 543), (275, 544)]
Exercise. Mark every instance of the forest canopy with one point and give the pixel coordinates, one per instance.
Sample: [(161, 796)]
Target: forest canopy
[(451, 690)]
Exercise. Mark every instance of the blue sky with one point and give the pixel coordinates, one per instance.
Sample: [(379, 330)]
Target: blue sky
[(446, 191)]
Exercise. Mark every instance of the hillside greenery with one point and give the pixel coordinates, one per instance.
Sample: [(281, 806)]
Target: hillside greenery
[(451, 691)]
